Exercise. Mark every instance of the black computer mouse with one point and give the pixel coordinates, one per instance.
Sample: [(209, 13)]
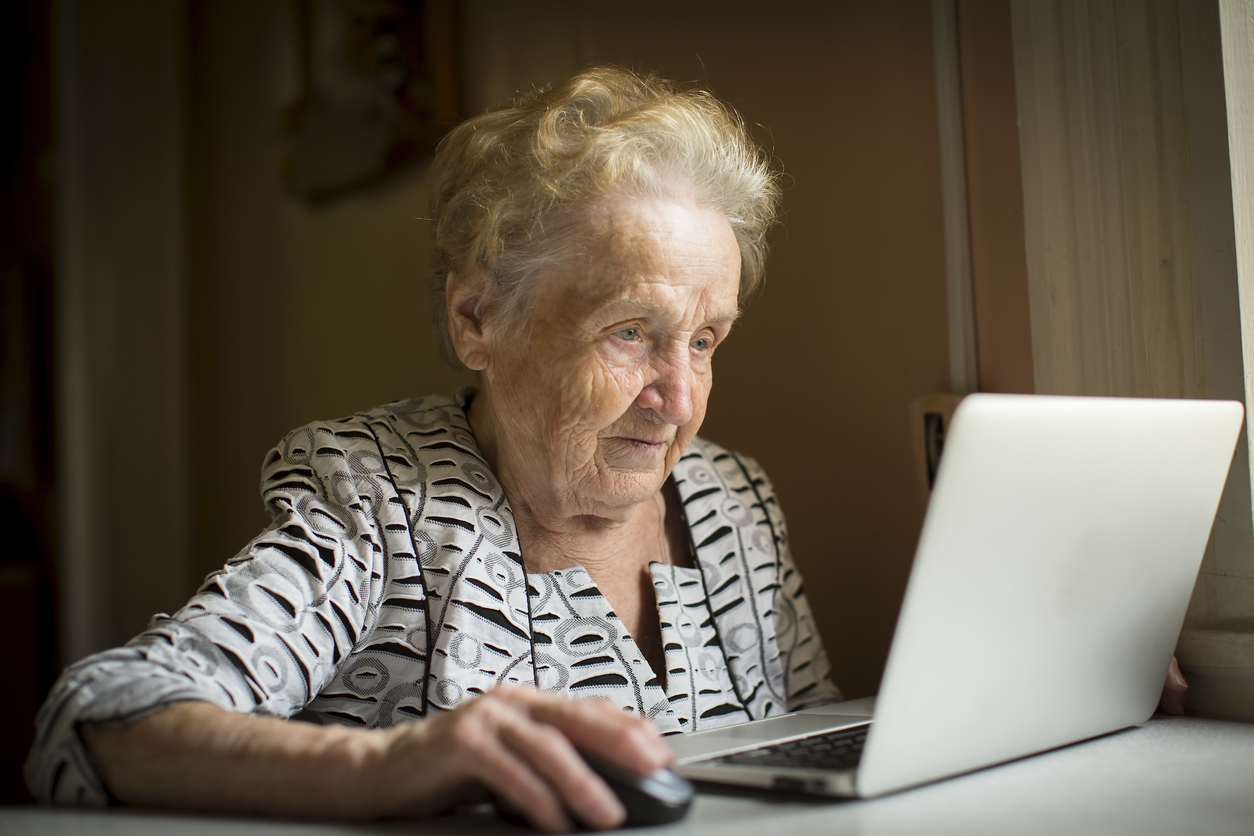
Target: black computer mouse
[(658, 798)]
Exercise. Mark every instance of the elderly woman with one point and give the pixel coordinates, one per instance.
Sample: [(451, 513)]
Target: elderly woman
[(447, 581)]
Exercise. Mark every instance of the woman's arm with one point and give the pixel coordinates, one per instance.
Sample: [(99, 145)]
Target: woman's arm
[(517, 743)]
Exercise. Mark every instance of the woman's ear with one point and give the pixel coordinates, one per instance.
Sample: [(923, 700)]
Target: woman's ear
[(465, 295)]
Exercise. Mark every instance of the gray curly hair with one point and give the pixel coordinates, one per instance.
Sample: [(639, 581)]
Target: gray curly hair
[(504, 183)]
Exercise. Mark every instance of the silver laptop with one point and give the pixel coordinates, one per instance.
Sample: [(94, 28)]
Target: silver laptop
[(1049, 586)]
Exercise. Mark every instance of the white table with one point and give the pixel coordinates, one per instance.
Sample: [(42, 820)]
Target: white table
[(1171, 776)]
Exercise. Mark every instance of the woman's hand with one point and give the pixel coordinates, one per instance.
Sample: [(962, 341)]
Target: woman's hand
[(518, 743), (522, 745), (1172, 700)]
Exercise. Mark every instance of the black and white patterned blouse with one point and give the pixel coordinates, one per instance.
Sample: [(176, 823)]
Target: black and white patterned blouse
[(389, 585)]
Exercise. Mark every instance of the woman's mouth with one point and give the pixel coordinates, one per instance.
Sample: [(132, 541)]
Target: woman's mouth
[(635, 451), (644, 443)]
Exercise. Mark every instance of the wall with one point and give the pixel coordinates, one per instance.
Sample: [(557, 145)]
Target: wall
[(294, 314), (121, 383)]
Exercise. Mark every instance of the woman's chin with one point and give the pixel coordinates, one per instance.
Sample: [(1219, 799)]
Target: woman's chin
[(617, 492)]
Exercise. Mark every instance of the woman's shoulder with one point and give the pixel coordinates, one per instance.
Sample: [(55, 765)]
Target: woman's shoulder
[(432, 412), (412, 450), (414, 424)]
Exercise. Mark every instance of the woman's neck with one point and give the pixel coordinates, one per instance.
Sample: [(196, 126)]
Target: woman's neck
[(604, 548), (553, 534), (615, 550), (551, 530)]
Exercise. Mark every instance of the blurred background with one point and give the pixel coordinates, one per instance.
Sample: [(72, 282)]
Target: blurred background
[(213, 231)]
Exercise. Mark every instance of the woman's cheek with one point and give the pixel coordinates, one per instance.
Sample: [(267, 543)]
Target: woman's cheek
[(703, 382), (621, 381), (630, 385)]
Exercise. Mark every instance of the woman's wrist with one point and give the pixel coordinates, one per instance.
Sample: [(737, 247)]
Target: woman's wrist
[(404, 772), (197, 755)]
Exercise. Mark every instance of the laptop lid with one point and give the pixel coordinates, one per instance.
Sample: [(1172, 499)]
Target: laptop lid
[(1051, 579), (1050, 583)]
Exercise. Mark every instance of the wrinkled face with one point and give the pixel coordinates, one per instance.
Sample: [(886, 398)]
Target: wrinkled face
[(594, 404)]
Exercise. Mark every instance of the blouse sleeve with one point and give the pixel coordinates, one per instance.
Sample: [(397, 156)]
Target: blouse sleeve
[(807, 674), (263, 635)]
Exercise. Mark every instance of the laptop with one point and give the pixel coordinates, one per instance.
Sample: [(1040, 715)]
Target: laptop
[(1050, 583)]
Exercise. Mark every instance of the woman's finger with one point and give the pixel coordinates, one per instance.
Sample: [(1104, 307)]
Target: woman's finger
[(476, 737), (525, 747), (597, 728), (550, 754)]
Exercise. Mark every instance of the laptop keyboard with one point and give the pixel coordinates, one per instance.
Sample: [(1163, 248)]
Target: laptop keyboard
[(839, 749)]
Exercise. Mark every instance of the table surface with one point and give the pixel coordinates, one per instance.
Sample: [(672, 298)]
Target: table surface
[(1171, 775)]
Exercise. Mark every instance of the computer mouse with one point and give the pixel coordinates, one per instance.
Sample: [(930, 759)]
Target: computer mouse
[(660, 797)]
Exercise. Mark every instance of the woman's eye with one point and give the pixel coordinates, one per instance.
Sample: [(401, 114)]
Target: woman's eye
[(628, 334)]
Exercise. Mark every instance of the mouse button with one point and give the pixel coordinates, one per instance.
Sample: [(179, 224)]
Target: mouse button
[(668, 785)]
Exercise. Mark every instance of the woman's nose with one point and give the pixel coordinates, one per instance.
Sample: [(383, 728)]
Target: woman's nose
[(669, 395)]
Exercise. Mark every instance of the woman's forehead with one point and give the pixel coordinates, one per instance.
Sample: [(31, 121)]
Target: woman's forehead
[(653, 252), (628, 223)]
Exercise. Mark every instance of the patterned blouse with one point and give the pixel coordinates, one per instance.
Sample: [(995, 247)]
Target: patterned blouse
[(389, 585)]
